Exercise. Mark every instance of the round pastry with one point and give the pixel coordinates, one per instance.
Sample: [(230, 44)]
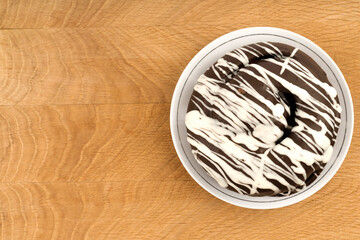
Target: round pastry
[(263, 120)]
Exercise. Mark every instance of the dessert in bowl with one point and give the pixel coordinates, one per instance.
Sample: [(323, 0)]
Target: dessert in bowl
[(261, 118)]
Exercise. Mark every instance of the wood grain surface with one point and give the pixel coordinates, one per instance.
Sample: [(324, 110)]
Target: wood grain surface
[(85, 145)]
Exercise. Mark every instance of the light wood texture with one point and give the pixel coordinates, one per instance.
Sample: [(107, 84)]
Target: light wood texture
[(85, 145)]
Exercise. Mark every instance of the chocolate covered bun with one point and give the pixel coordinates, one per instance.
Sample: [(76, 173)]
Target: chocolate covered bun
[(263, 120)]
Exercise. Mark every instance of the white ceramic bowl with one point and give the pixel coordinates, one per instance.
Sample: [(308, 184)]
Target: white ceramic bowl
[(210, 54)]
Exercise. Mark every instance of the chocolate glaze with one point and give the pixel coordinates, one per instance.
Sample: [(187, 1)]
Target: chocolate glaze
[(263, 120)]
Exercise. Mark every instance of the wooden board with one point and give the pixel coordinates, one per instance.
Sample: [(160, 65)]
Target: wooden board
[(85, 92)]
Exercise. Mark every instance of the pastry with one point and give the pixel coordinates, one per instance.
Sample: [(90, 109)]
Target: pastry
[(263, 120)]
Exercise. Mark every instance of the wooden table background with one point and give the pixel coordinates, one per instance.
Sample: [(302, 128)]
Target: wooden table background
[(85, 145)]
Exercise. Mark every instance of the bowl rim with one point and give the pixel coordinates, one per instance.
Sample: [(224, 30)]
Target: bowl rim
[(176, 102)]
